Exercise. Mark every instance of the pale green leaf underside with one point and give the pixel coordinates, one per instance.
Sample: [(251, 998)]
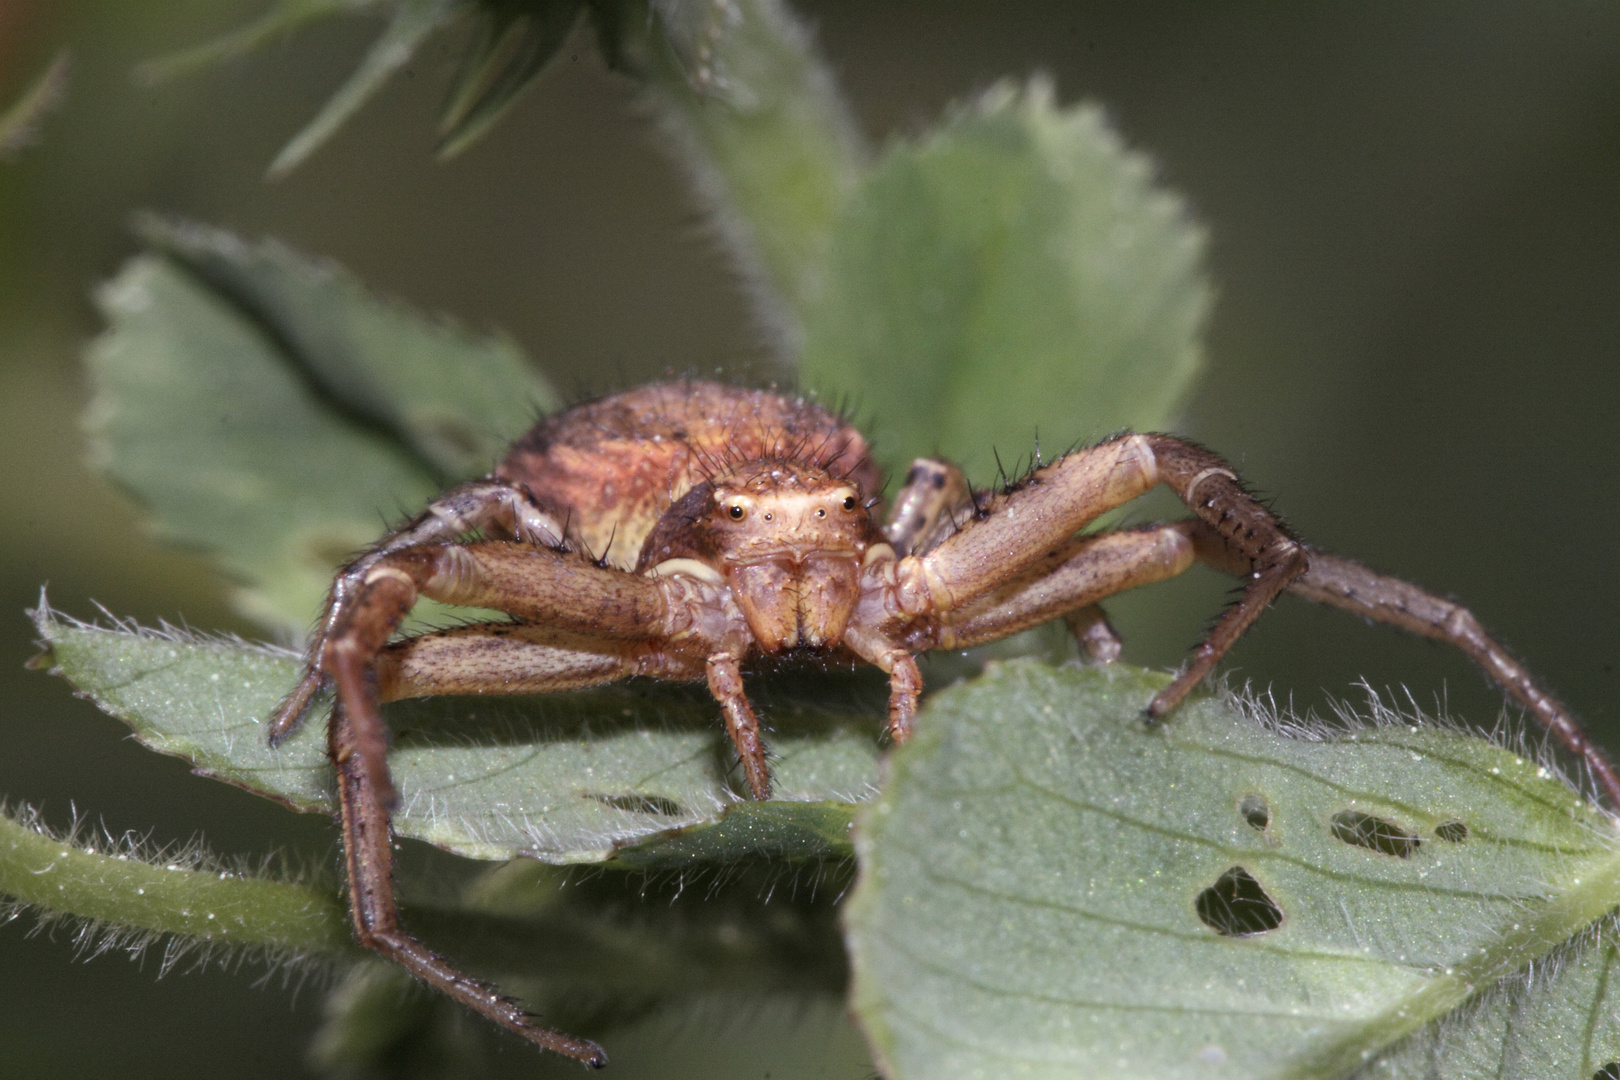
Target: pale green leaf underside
[(1028, 902), (1013, 274), (453, 400), (642, 774), (226, 397)]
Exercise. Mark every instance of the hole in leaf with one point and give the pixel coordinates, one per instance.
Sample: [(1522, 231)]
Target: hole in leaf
[(639, 804), (1255, 811), (1237, 906), (1611, 1071), (1374, 833), (1455, 832)]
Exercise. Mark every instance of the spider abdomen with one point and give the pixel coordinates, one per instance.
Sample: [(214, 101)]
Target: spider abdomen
[(612, 467)]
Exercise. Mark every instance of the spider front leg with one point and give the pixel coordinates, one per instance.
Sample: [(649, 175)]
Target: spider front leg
[(1015, 563), (589, 625), (557, 590), (1015, 530), (484, 505), (935, 502), (369, 859)]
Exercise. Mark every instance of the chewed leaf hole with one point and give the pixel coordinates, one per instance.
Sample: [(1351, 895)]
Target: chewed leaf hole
[(639, 804), (1611, 1071), (1255, 811), (1374, 833), (1237, 906), (1455, 832)]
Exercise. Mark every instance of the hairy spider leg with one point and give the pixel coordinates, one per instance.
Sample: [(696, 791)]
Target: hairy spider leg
[(724, 671), (533, 658), (484, 505), (935, 501), (559, 590), (502, 658), (1066, 582), (1096, 636), (542, 584), (1234, 534), (1211, 490), (369, 859), (1352, 587), (1019, 526)]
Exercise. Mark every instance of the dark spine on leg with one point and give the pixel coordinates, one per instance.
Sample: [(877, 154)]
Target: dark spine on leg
[(1210, 488)]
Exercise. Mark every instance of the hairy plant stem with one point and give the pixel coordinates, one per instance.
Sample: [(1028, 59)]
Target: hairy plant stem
[(756, 119), (121, 889)]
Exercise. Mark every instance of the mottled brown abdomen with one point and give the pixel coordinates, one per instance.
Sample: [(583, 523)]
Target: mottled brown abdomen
[(611, 467)]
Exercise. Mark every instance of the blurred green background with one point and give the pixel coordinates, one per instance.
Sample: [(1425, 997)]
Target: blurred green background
[(1415, 217)]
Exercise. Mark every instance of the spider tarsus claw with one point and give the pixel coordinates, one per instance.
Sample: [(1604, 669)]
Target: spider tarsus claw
[(291, 710), (583, 1051), (281, 726), (1161, 704)]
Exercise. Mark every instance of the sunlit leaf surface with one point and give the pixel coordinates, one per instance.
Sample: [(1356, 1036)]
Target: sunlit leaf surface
[(640, 773), (1559, 1020), (1013, 274), (1052, 889)]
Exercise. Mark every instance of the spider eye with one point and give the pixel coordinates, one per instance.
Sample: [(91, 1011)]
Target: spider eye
[(849, 502), (736, 511)]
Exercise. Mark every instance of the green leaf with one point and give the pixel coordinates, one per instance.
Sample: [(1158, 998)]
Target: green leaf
[(1015, 273), (1052, 888), (453, 399), (195, 412), (411, 24), (226, 395), (514, 42), (633, 774), (1560, 1020)]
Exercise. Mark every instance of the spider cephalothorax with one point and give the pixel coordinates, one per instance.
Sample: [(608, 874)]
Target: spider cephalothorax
[(787, 540), (678, 529)]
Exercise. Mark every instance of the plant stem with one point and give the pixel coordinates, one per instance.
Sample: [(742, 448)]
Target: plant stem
[(756, 119), (122, 890)]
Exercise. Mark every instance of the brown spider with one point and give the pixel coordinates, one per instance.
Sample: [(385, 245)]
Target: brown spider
[(678, 529)]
